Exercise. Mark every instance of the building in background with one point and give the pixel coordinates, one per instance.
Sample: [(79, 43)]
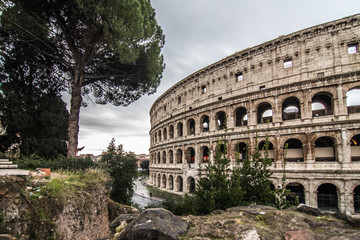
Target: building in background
[(301, 89)]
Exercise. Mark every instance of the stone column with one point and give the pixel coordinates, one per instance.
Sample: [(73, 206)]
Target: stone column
[(346, 148), (341, 104)]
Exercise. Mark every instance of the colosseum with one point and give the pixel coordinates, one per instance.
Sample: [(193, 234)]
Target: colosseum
[(301, 89)]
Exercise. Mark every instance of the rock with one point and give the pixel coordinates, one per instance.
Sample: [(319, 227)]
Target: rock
[(308, 210), (249, 235), (127, 218), (155, 223), (298, 235), (7, 237), (116, 209)]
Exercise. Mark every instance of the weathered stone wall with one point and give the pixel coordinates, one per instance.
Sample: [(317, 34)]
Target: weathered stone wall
[(318, 65), (84, 216)]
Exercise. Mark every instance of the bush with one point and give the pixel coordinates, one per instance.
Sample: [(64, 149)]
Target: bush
[(60, 163)]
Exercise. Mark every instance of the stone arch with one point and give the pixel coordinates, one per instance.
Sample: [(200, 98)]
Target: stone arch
[(171, 131), (159, 133), (240, 151), (241, 117), (171, 156), (205, 123), (270, 149), (158, 157), (191, 184), (190, 155), (322, 104), (180, 129), (171, 182), (220, 119), (352, 100), (205, 154), (158, 184), (324, 149), (163, 181), (327, 197), (297, 193), (355, 148), (179, 184), (165, 133), (179, 154), (190, 125), (164, 156), (356, 193), (291, 109), (294, 151), (264, 113)]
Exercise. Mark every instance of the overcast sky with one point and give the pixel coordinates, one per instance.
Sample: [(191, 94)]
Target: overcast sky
[(199, 33)]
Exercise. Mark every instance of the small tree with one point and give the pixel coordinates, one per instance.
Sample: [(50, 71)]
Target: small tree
[(122, 168), (253, 176)]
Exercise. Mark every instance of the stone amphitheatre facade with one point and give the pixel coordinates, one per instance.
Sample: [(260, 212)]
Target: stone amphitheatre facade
[(301, 89)]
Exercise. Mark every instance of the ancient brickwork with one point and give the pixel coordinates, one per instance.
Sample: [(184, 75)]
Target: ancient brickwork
[(298, 89)]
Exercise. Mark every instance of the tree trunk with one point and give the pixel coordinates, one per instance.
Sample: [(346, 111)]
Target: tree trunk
[(75, 105)]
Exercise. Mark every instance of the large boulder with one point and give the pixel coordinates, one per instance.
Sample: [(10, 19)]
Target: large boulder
[(155, 223)]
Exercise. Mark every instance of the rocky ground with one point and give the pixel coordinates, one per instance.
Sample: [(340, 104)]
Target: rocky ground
[(243, 223)]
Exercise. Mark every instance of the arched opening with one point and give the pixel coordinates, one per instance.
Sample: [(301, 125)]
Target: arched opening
[(355, 148), (221, 149), (159, 133), (180, 129), (191, 184), (357, 199), (205, 154), (190, 155), (270, 149), (297, 194), (179, 156), (353, 101), (291, 109), (155, 137), (171, 183), (205, 123), (240, 151), (163, 157), (171, 131), (165, 134), (264, 113), (190, 126), (179, 184), (158, 157), (158, 180), (221, 120), (171, 156), (294, 151), (163, 181), (324, 150), (327, 197), (322, 104), (241, 117)]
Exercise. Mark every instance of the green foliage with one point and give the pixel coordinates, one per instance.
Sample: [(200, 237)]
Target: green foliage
[(60, 163), (33, 113), (253, 176), (122, 170), (220, 187), (109, 50)]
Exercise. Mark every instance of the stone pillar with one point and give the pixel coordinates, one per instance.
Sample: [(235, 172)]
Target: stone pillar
[(252, 118), (346, 148), (230, 118), (341, 104), (277, 111)]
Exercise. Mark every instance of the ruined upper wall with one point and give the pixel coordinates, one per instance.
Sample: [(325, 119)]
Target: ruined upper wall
[(315, 52)]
